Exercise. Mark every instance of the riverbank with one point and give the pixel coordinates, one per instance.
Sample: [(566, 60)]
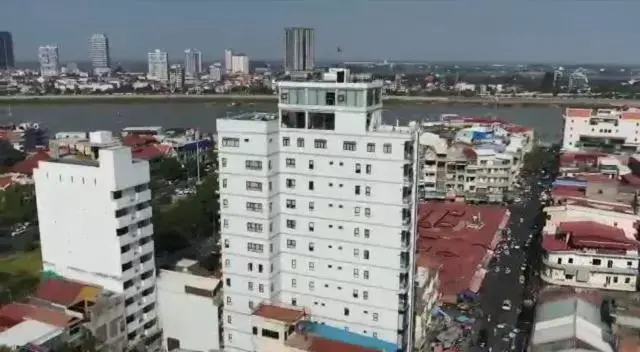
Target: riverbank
[(240, 100)]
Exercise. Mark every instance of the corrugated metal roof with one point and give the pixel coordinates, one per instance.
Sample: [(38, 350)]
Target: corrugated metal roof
[(29, 331)]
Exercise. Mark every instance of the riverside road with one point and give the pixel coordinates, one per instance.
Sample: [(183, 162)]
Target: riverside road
[(493, 101)]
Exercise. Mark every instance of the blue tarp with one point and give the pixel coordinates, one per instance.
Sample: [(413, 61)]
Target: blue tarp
[(337, 334), (479, 136), (570, 182)]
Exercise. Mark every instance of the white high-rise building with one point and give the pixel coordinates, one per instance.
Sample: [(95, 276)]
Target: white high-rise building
[(176, 76), (95, 227), (158, 66), (228, 57), (215, 73), (240, 64), (318, 213), (192, 63), (49, 59), (99, 54), (299, 47)]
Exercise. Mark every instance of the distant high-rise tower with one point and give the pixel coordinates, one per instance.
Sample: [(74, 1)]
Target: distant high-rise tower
[(49, 58), (228, 58), (6, 51), (158, 66), (99, 54), (192, 62), (300, 51)]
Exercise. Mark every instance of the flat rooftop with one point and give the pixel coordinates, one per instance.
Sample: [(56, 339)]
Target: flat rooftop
[(253, 116), (29, 331), (282, 314)]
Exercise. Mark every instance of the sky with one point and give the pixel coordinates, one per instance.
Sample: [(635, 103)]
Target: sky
[(498, 31)]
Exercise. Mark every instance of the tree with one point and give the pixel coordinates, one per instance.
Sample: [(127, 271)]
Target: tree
[(9, 156), (17, 204), (168, 169)]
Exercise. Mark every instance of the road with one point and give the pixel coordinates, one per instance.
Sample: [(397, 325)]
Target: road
[(499, 286), (503, 101)]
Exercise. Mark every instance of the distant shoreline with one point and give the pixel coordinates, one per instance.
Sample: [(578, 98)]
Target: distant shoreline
[(241, 100)]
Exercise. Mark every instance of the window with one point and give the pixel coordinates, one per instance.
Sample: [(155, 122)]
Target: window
[(229, 337), (291, 243), (312, 285), (254, 186), (293, 263), (356, 252), (294, 283), (311, 186), (365, 254), (255, 247), (224, 183), (627, 280), (300, 142), (291, 203), (291, 224), (230, 142), (346, 312), (367, 191), (312, 226), (356, 232), (371, 147), (285, 141), (368, 169), (358, 168), (366, 233), (228, 300), (228, 282), (253, 164), (310, 164), (365, 274), (251, 305), (250, 286), (330, 98), (225, 203), (260, 268), (356, 273), (349, 146), (291, 183), (290, 162), (355, 293), (226, 243), (367, 211), (312, 266), (312, 246), (596, 261), (365, 295), (223, 161), (375, 316), (254, 227), (225, 223), (270, 334), (261, 288), (357, 190), (356, 211), (386, 148), (250, 266), (320, 143), (255, 207), (227, 262)]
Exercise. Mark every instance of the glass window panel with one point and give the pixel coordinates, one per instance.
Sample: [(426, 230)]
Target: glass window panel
[(351, 98), (301, 96), (312, 97), (341, 97), (359, 98), (321, 97)]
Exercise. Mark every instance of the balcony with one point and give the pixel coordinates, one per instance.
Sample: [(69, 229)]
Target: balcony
[(589, 268)]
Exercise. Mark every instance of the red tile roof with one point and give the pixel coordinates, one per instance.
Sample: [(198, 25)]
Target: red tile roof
[(21, 311), (631, 115), (134, 140), (147, 152), (59, 291), (319, 344), (578, 112), (26, 166), (580, 158), (574, 235), (458, 238), (285, 315)]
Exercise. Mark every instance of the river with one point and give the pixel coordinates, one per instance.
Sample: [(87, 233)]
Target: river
[(83, 117)]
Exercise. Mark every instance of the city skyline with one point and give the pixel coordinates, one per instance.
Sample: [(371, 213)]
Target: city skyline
[(492, 31)]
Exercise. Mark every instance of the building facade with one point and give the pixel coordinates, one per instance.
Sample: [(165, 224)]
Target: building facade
[(158, 62), (240, 64), (605, 129), (176, 76), (228, 58), (299, 44), (317, 213), (99, 54), (95, 227), (7, 59), (49, 59), (192, 63)]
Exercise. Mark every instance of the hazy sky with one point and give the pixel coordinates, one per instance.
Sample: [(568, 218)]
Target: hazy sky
[(462, 30)]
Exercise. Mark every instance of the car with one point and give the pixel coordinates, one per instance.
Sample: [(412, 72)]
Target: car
[(521, 279), (516, 247), (507, 271), (497, 269), (506, 305)]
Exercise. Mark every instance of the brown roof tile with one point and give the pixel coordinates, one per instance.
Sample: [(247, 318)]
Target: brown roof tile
[(286, 315), (59, 291)]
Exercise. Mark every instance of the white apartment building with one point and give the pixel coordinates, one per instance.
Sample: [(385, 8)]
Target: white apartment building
[(240, 64), (601, 128), (592, 245), (99, 54), (158, 62), (190, 308), (317, 212), (176, 76), (49, 59), (95, 227), (228, 58), (192, 63)]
